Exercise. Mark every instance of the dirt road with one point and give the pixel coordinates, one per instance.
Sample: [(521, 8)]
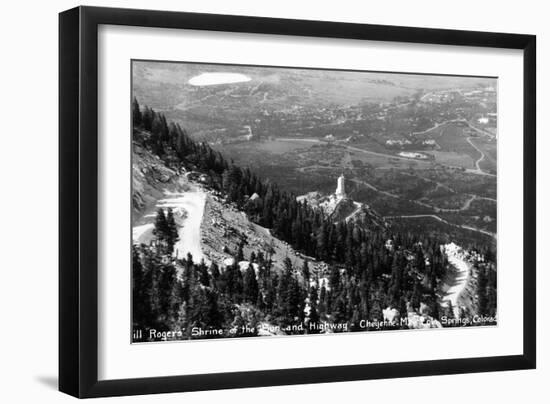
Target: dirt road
[(188, 208), (457, 279)]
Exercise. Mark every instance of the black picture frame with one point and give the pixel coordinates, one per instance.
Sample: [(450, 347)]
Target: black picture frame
[(78, 201)]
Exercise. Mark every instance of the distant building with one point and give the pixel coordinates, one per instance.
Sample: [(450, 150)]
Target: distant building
[(398, 143), (413, 155), (341, 187), (483, 120)]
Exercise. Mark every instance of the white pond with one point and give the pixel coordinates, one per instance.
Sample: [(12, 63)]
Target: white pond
[(209, 79)]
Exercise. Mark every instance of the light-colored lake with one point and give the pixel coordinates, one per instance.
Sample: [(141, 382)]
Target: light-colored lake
[(210, 79)]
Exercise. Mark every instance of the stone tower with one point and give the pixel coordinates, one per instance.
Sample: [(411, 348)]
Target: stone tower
[(340, 188)]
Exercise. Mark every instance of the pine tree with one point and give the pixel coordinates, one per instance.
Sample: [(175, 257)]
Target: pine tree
[(313, 316), (298, 297), (250, 284), (169, 297), (284, 292), (376, 311), (156, 135), (138, 291), (416, 295), (335, 280), (233, 282), (481, 290), (240, 252), (323, 300), (161, 232), (148, 299), (147, 118), (322, 244), (435, 308), (181, 143), (164, 130), (305, 272), (449, 312), (204, 277), (197, 310), (171, 231), (396, 282), (214, 272), (214, 317), (136, 113), (491, 292), (338, 314)]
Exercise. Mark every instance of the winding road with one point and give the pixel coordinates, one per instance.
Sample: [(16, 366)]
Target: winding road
[(459, 278), (479, 160), (188, 208), (487, 233), (477, 171), (437, 209), (355, 212)]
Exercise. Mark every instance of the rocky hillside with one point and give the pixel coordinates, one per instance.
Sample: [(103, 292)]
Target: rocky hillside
[(150, 178), (345, 209), (223, 228)]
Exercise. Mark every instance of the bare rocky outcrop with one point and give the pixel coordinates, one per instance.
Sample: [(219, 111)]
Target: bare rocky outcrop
[(342, 208), (150, 178), (224, 228)]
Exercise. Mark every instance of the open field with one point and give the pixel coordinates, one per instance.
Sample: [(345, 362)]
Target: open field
[(489, 149), (463, 182), (454, 159), (278, 146)]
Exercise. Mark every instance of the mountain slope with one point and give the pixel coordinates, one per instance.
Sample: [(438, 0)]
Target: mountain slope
[(208, 227), (150, 178)]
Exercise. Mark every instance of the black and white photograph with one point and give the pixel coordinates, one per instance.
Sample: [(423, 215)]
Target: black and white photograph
[(283, 201), (275, 202)]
